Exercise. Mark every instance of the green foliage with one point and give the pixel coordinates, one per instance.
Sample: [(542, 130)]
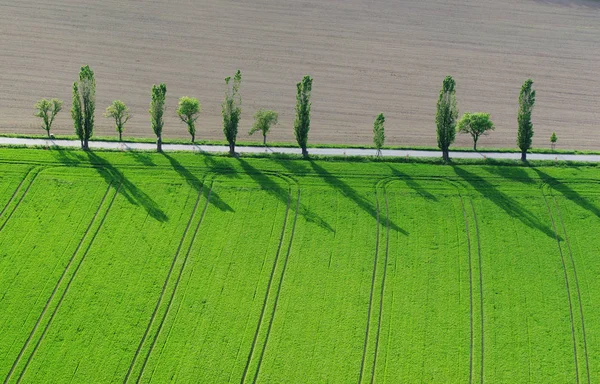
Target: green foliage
[(379, 133), (231, 109), (188, 111), (263, 120), (302, 121), (84, 105), (475, 124), (446, 116), (525, 126), (553, 138), (120, 113), (47, 110), (157, 110)]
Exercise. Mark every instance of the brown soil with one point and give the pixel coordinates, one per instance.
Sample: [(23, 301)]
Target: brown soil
[(365, 57)]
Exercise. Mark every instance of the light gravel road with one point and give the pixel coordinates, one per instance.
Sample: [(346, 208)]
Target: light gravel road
[(314, 151)]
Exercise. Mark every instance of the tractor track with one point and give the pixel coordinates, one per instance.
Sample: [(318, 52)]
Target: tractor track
[(567, 287), (39, 320), (562, 223), (68, 284), (480, 287), (162, 321), (472, 341), (264, 306), (15, 193), (162, 293), (287, 256), (20, 199)]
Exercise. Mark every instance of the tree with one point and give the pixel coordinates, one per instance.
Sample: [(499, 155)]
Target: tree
[(47, 110), (525, 130), (84, 106), (302, 121), (188, 111), (379, 133), (446, 115), (120, 112), (263, 120), (553, 140), (157, 110), (232, 109), (475, 124)]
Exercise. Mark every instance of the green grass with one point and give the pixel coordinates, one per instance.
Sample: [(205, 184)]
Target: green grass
[(193, 268)]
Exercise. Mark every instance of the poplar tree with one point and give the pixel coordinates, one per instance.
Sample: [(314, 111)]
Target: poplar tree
[(188, 111), (446, 116), (525, 127), (378, 133), (232, 109), (47, 110), (84, 106), (120, 113), (157, 110), (302, 121)]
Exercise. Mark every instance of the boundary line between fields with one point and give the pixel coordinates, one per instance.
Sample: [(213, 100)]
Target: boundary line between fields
[(187, 254), (480, 286), (20, 199), (262, 313), (387, 247), (56, 286), (587, 363), (69, 283), (566, 285), (287, 256)]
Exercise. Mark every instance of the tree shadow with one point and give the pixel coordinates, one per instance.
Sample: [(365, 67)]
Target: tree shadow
[(197, 184), (133, 194), (411, 183), (504, 201), (349, 192), (270, 185), (142, 158)]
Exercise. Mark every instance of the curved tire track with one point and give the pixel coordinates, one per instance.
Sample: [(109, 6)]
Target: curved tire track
[(68, 285)]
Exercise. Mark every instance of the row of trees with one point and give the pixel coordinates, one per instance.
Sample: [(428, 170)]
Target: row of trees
[(189, 108)]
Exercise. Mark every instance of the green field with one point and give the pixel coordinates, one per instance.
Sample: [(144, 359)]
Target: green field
[(143, 267)]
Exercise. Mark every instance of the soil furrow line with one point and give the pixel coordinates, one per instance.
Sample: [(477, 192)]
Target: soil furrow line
[(69, 284), (19, 201), (164, 288), (387, 247), (58, 283), (285, 262), (587, 363), (264, 307), (170, 302), (567, 287), (472, 344), (480, 287)]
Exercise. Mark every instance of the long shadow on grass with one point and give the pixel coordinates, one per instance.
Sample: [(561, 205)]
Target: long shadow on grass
[(504, 201), (273, 187), (196, 183), (411, 183), (349, 192)]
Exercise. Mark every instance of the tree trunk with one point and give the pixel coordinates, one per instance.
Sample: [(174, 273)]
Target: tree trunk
[(232, 149), (265, 140), (524, 156), (48, 132), (159, 144), (120, 136), (304, 152), (85, 145), (445, 155), (193, 138), (475, 144)]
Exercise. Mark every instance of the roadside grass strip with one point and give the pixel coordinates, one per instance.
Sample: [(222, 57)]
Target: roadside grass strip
[(97, 329), (319, 327), (37, 246), (208, 334), (425, 325), (528, 328)]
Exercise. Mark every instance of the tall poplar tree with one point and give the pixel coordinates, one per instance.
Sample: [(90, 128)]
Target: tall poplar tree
[(84, 106), (231, 110), (302, 121), (379, 133), (525, 129), (446, 116), (157, 110)]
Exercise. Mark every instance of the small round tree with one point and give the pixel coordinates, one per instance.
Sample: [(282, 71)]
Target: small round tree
[(264, 119), (47, 110), (553, 140), (379, 133), (475, 124), (188, 111), (120, 113)]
